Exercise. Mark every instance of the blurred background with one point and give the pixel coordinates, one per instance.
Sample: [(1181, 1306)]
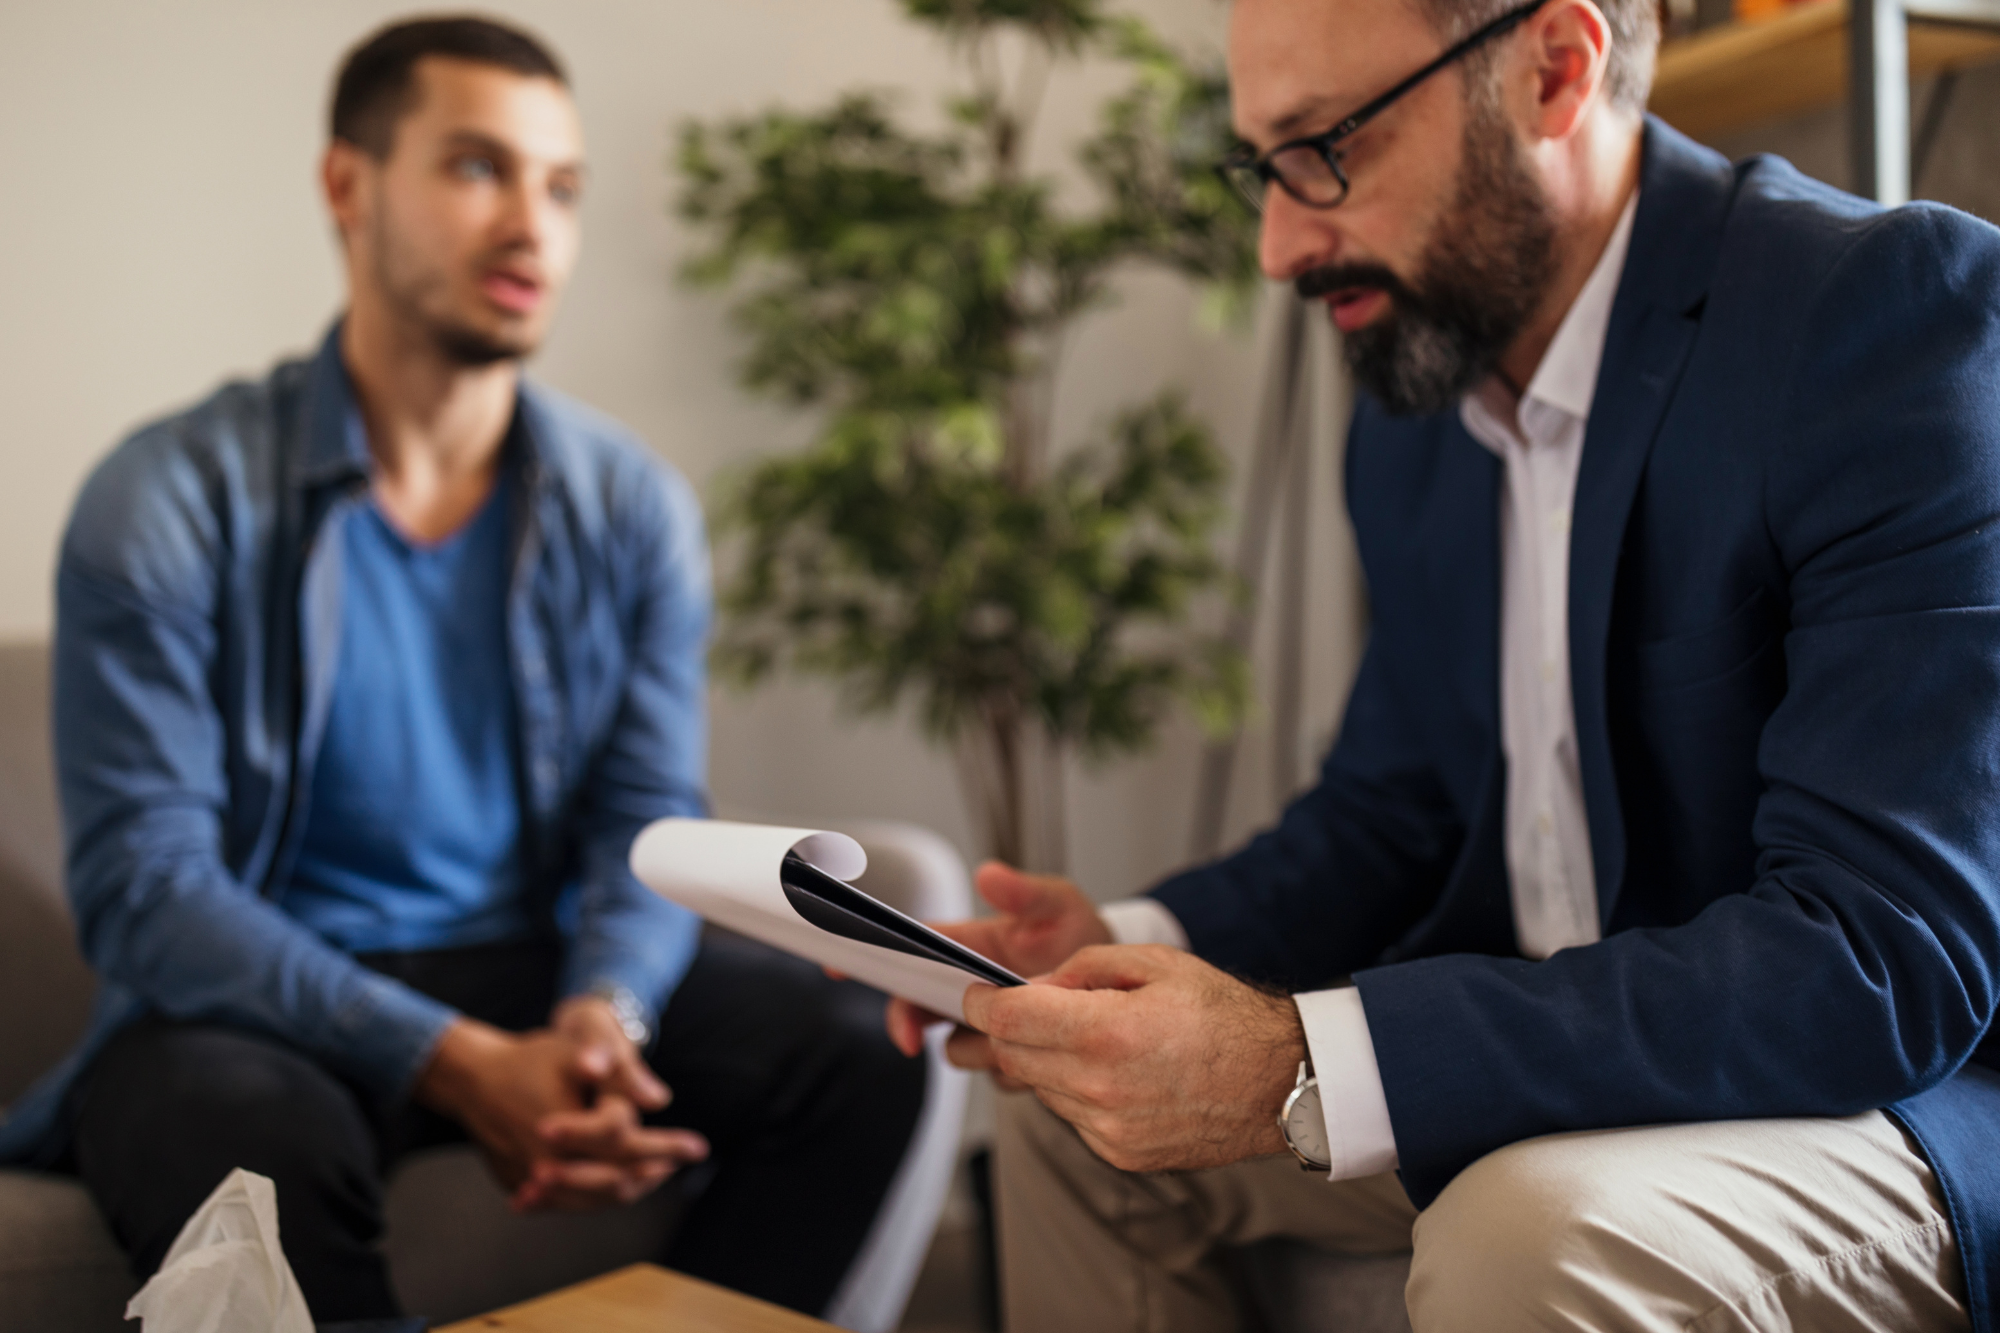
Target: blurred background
[(161, 231)]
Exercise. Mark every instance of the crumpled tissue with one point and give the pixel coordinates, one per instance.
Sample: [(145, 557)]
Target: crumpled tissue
[(226, 1272)]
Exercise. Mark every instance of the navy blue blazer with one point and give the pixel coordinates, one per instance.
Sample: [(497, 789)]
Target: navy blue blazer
[(1785, 656)]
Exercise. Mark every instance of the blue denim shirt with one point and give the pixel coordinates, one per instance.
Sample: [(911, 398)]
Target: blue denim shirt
[(198, 611)]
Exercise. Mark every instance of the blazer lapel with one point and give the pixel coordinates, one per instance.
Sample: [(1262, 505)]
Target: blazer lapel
[(1684, 198), (1463, 535)]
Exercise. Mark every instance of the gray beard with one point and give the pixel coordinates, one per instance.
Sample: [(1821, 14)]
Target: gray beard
[(1481, 281)]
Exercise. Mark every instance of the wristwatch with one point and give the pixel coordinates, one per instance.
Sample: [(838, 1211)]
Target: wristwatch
[(1303, 1123), (626, 1008)]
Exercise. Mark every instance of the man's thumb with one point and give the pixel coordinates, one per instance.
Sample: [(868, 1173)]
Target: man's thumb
[(595, 1061), (643, 1086), (1105, 967)]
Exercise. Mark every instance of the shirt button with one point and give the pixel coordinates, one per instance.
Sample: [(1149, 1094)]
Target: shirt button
[(1544, 824), (1548, 671), (1559, 522)]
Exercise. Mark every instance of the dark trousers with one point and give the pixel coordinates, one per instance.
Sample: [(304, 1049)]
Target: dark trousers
[(789, 1075)]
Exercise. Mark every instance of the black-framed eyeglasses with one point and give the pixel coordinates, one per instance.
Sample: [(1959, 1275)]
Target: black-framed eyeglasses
[(1309, 169)]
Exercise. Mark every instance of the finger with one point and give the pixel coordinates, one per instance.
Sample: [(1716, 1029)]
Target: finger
[(569, 1138), (906, 1023), (635, 1079), (978, 1004), (1014, 893), (593, 1062), (586, 1176), (573, 1183), (1051, 1072), (592, 1129), (1113, 967), (588, 1186), (966, 1049), (1038, 1015), (1082, 1114), (613, 1133), (1094, 1141)]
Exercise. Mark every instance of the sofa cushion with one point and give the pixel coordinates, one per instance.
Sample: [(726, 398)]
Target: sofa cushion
[(59, 1267), (44, 987)]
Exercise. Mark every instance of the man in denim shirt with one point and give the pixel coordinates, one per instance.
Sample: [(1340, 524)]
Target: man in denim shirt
[(366, 676)]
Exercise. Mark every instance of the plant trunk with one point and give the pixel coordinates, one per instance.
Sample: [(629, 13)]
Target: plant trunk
[(1011, 772)]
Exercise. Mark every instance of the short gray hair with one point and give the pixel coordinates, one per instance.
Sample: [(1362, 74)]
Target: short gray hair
[(1635, 40)]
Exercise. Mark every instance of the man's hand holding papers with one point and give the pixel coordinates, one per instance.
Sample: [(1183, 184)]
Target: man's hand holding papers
[(1042, 920), (1160, 1061)]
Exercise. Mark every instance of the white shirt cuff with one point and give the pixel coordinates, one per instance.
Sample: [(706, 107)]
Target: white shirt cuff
[(1358, 1133), (1142, 921)]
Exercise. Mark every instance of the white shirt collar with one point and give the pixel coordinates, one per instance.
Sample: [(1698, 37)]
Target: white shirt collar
[(1565, 382)]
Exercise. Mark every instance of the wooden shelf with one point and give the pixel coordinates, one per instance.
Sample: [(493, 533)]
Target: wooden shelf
[(1740, 74)]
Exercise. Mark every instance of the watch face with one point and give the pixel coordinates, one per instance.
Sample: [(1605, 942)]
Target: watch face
[(1305, 1126)]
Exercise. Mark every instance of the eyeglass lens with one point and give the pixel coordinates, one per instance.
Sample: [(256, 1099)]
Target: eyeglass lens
[(1310, 176), (1302, 171)]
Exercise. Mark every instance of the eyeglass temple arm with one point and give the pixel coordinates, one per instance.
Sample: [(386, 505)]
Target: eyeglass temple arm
[(1509, 20)]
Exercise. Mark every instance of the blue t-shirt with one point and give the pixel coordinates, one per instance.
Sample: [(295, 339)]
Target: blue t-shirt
[(413, 829)]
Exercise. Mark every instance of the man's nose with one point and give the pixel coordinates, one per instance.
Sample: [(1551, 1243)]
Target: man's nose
[(1294, 239), (525, 220)]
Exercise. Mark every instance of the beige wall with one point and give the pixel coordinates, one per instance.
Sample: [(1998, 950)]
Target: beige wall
[(161, 231)]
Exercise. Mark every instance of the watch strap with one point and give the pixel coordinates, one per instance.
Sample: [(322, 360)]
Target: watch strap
[(632, 1016)]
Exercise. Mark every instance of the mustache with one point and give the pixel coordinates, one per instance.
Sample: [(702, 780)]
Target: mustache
[(1331, 278)]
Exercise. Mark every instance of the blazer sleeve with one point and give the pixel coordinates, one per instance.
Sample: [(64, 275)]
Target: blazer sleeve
[(1352, 863), (1858, 968)]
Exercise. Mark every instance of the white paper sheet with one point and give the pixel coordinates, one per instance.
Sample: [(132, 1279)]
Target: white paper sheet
[(729, 874)]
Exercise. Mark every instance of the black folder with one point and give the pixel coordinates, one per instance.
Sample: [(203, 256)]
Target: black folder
[(839, 908)]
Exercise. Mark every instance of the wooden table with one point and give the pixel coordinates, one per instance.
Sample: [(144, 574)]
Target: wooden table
[(642, 1299)]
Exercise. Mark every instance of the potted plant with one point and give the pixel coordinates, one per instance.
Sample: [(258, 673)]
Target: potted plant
[(915, 290)]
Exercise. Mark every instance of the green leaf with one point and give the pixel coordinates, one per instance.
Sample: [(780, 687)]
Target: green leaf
[(908, 291)]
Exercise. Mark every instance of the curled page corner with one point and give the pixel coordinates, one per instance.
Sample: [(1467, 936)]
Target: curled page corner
[(728, 873), (835, 853)]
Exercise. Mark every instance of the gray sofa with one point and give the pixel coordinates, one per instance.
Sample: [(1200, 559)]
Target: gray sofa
[(453, 1247)]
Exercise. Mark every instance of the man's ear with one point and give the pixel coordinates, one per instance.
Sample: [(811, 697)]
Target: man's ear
[(342, 169), (1569, 44)]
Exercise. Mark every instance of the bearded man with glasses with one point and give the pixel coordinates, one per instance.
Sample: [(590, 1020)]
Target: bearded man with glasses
[(1634, 958)]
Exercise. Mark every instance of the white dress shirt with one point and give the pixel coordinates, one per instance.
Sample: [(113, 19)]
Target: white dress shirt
[(1551, 880)]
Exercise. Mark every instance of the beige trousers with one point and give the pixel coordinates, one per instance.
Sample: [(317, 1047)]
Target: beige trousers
[(1820, 1225)]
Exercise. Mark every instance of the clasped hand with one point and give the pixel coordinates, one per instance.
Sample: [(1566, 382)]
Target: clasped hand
[(1159, 1060), (557, 1111)]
